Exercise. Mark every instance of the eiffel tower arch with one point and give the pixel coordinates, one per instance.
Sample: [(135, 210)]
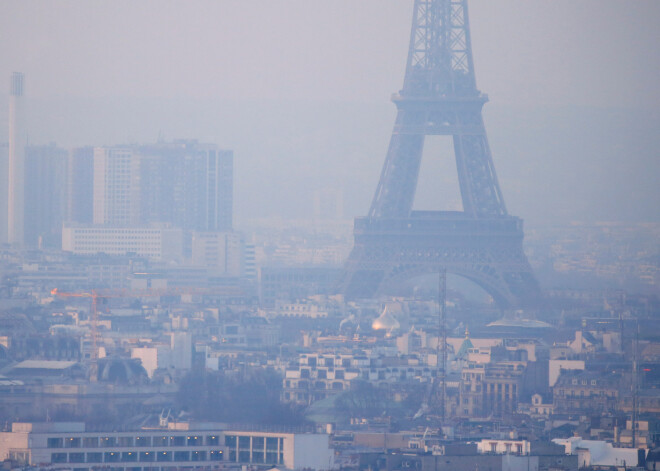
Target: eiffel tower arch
[(482, 243)]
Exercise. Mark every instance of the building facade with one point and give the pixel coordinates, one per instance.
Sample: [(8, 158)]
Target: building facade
[(155, 243), (172, 446), (45, 195)]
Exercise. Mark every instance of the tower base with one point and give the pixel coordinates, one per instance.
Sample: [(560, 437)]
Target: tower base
[(487, 251)]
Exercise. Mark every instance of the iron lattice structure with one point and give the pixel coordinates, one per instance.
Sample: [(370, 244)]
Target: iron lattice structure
[(482, 242)]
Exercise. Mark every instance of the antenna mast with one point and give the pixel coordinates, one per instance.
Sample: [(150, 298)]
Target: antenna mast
[(442, 303)]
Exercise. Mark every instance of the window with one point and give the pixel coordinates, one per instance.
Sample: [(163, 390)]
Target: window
[(215, 455), (271, 444), (198, 456), (178, 441), (76, 457), (72, 442), (58, 457), (142, 441), (94, 457), (193, 441), (129, 456), (230, 441), (90, 442), (212, 440), (258, 443), (161, 441), (54, 443), (244, 442), (147, 456), (244, 456), (111, 457), (108, 442), (181, 456), (164, 456), (125, 441)]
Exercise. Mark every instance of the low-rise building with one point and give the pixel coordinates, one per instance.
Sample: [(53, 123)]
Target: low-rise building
[(172, 446)]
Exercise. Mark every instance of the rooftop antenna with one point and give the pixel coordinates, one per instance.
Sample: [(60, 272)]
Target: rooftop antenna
[(442, 303), (635, 386)]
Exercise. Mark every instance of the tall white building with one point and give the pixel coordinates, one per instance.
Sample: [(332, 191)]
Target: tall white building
[(116, 186), (16, 169), (155, 243)]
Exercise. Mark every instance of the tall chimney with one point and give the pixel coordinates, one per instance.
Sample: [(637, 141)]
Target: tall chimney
[(16, 196)]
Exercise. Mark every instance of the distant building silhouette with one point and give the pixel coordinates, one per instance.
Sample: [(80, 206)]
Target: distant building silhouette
[(45, 195), (16, 172), (183, 183), (80, 185)]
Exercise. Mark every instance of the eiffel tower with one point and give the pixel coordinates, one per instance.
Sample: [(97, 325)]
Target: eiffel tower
[(481, 243)]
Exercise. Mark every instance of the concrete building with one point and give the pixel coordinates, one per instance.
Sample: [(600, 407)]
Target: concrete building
[(16, 168), (222, 252), (80, 185), (116, 187), (187, 184), (177, 445), (583, 392), (155, 243), (4, 191), (45, 195), (184, 183)]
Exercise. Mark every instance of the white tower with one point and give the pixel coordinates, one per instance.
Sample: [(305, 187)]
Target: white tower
[(16, 184)]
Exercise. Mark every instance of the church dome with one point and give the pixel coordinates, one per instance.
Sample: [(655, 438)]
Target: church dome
[(385, 321)]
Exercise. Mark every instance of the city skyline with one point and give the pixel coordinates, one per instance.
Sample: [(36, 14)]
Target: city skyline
[(592, 82)]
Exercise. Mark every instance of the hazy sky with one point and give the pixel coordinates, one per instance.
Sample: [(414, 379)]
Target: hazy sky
[(103, 72), (596, 52)]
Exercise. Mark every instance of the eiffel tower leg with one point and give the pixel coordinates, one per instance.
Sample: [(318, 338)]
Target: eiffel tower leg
[(398, 180)]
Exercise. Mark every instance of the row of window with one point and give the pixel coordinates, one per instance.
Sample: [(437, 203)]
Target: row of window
[(144, 441), (243, 442), (271, 458), (135, 456), (587, 393)]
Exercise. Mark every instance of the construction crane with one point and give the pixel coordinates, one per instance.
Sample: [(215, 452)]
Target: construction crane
[(95, 295)]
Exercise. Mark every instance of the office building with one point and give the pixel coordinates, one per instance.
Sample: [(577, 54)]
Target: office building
[(222, 252), (80, 185), (4, 191), (183, 183), (116, 186), (154, 242), (45, 195), (170, 446)]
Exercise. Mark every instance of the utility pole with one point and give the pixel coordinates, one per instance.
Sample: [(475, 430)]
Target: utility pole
[(635, 387), (442, 304)]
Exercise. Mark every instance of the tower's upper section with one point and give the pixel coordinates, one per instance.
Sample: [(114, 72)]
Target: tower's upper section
[(440, 54), (16, 84)]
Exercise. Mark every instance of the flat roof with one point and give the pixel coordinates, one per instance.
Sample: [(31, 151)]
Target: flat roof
[(44, 364)]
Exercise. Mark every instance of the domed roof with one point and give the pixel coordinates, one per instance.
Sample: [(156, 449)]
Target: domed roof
[(385, 321), (121, 370)]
